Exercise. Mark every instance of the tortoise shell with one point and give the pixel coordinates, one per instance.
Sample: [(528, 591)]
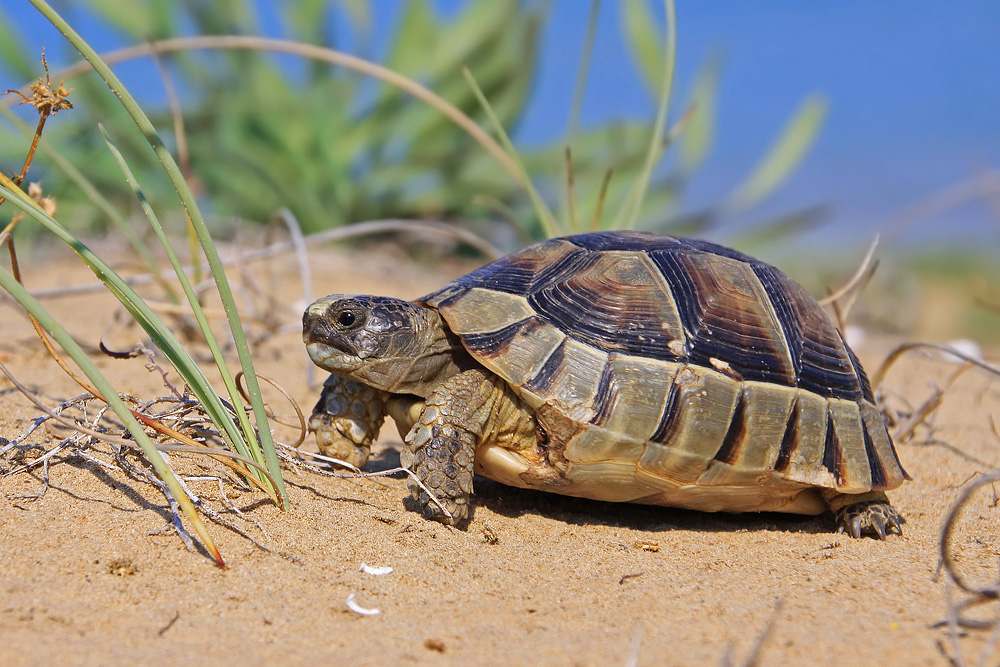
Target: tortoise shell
[(672, 371)]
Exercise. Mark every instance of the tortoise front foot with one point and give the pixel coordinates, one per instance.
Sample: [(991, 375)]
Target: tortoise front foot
[(347, 419), (441, 457), (876, 517)]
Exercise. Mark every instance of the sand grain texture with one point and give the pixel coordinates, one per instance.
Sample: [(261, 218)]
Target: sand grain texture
[(536, 578)]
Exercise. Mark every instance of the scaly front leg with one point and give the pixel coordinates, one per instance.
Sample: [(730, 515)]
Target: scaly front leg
[(347, 419), (441, 446)]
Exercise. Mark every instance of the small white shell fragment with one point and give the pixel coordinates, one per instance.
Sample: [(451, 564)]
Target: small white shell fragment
[(358, 609), (376, 571)]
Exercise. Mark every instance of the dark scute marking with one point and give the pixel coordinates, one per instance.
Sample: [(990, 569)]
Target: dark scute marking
[(716, 330), (736, 434), (824, 364), (606, 397), (682, 287), (716, 249), (542, 382), (668, 422), (587, 301), (570, 265), (874, 462), (833, 458), (601, 241), (495, 343), (827, 371), (768, 276), (503, 275), (866, 386), (519, 272), (789, 441)]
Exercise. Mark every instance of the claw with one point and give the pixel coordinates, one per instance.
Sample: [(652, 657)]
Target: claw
[(878, 523), (876, 517), (855, 527)]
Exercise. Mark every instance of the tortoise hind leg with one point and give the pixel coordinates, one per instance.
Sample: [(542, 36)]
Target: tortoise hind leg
[(860, 513)]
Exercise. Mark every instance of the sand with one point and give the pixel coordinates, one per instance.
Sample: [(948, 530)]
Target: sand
[(91, 576)]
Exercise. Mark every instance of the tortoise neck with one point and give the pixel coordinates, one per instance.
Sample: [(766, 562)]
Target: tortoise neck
[(436, 355)]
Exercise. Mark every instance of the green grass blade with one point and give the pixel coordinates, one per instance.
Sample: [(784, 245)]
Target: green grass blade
[(215, 408), (628, 216), (644, 41), (76, 353), (94, 195), (549, 223), (214, 261), (583, 67), (161, 335), (695, 140), (785, 154)]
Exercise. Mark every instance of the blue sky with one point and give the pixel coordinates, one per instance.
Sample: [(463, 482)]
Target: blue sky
[(914, 91)]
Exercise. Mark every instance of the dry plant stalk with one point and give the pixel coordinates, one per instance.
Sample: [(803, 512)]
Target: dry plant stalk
[(852, 289), (977, 595), (47, 102), (177, 416)]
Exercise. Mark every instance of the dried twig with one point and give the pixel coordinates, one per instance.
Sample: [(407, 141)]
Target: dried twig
[(920, 416), (357, 472), (860, 278), (302, 425), (353, 230), (990, 592), (879, 375)]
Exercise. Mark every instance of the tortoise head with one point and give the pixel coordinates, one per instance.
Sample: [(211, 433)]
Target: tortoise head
[(385, 343)]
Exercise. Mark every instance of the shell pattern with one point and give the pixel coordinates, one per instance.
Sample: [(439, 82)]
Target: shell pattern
[(675, 371)]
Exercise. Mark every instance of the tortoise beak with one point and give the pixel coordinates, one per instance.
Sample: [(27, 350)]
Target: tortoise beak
[(317, 329)]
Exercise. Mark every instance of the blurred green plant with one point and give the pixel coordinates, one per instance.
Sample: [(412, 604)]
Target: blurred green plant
[(644, 191), (258, 134), (321, 141), (249, 441)]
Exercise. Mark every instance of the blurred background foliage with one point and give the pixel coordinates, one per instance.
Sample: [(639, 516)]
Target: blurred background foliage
[(265, 132)]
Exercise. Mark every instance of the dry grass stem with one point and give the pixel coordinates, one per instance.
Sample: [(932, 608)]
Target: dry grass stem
[(860, 279), (251, 43), (358, 473), (301, 424), (977, 594), (879, 375), (991, 591), (355, 230), (983, 186), (907, 424)]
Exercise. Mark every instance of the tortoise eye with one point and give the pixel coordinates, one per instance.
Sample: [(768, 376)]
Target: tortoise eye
[(346, 318)]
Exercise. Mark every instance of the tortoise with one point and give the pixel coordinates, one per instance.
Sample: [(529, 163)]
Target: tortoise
[(618, 366)]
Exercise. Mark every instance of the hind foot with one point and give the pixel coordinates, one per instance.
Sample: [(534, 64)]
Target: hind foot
[(860, 513), (876, 517)]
